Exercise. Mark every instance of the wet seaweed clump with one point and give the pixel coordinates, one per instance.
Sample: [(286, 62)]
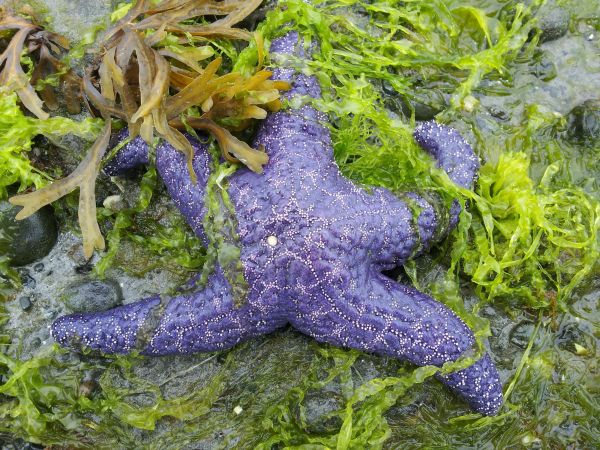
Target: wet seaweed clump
[(44, 51), (158, 74)]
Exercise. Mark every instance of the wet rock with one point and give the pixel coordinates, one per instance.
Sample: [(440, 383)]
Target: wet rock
[(426, 104), (26, 279), (521, 333), (319, 406), (584, 122), (573, 339), (25, 303), (258, 15), (498, 113), (543, 68), (554, 22), (28, 240), (93, 295)]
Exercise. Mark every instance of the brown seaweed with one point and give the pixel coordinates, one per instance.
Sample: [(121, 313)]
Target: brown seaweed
[(12, 74), (151, 74), (45, 48), (84, 178)]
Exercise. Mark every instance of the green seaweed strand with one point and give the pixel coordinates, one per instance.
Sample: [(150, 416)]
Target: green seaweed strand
[(220, 227)]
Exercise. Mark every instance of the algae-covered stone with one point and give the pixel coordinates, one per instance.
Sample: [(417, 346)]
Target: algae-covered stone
[(93, 295), (426, 104), (521, 333)]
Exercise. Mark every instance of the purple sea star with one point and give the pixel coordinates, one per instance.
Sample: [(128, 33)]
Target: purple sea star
[(313, 248)]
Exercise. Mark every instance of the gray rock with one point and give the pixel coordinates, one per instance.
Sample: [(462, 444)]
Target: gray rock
[(93, 295), (28, 240)]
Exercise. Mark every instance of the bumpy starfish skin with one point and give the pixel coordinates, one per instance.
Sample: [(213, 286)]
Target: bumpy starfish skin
[(313, 248)]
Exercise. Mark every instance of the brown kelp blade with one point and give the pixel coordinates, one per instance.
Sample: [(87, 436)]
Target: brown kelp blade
[(14, 77), (84, 178), (233, 149)]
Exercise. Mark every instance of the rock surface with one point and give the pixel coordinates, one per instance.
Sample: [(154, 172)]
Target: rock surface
[(93, 295), (30, 239)]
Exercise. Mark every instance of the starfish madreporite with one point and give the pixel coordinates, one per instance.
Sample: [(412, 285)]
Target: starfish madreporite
[(313, 248)]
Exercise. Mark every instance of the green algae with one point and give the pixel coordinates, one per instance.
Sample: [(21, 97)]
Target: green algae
[(151, 243), (220, 226), (17, 132), (551, 384)]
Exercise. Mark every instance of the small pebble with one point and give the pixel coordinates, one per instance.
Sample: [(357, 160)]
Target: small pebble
[(39, 267), (25, 303), (498, 113), (83, 269), (26, 279)]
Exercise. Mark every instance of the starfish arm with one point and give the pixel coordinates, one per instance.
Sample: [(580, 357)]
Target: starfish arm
[(172, 167), (452, 152), (187, 195), (456, 157), (113, 331), (296, 137), (201, 321), (299, 145), (434, 220), (133, 154), (381, 316)]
